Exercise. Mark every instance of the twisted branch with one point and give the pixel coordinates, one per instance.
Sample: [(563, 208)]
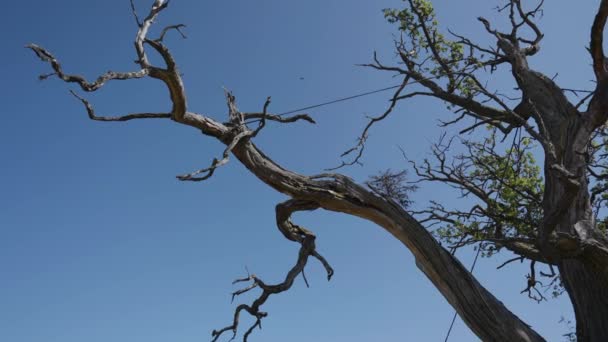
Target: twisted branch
[(294, 233), (48, 57)]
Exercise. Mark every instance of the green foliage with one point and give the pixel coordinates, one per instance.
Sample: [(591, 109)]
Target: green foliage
[(429, 50), (516, 180), (509, 186)]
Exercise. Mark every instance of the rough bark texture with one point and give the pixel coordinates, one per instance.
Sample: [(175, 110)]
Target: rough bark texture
[(482, 312), (576, 243)]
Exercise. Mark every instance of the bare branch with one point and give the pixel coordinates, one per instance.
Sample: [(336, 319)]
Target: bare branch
[(177, 28), (134, 11), (583, 100), (46, 56), (273, 117), (596, 47), (263, 119), (294, 233), (208, 172), (525, 16), (363, 137), (140, 38), (127, 117), (531, 285), (519, 258)]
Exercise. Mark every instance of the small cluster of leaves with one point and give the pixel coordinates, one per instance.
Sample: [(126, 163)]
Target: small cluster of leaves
[(392, 185), (411, 20), (436, 55)]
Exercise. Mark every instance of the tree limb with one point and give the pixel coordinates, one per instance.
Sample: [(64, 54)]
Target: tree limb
[(596, 47), (46, 56), (292, 232), (127, 117)]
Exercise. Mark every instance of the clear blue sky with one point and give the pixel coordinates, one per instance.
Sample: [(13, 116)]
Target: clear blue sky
[(99, 242)]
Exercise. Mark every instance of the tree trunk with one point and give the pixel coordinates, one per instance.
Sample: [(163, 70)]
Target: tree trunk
[(589, 296), (582, 268), (583, 280)]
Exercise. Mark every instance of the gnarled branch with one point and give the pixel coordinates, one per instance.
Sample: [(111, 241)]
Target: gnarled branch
[(46, 56), (292, 232)]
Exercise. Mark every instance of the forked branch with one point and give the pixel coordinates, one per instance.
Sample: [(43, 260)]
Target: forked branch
[(307, 249), (358, 149), (46, 56), (208, 171)]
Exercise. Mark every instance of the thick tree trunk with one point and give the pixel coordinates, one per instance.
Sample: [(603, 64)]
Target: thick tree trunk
[(584, 282), (582, 268), (589, 296)]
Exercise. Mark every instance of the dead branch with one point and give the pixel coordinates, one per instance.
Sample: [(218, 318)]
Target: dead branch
[(127, 117), (177, 28), (359, 148), (294, 233), (46, 56), (531, 283)]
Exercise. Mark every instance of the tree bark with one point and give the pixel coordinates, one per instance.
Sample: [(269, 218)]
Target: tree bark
[(487, 317), (568, 217), (582, 268)]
